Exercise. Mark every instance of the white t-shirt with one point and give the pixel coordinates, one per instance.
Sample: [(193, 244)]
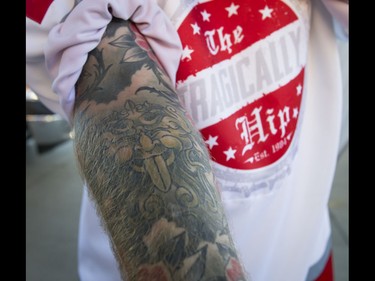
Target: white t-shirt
[(262, 82)]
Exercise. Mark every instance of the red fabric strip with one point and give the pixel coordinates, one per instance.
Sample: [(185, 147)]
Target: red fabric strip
[(327, 274), (36, 9)]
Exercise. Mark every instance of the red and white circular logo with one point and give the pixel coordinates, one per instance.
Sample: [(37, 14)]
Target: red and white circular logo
[(241, 78)]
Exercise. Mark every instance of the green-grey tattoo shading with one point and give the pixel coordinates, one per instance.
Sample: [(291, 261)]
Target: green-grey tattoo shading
[(136, 53), (148, 168)]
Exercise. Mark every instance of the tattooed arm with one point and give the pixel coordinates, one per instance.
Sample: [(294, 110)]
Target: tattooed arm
[(147, 167)]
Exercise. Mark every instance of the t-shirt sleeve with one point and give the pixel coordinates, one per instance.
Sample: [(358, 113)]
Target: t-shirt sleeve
[(41, 16)]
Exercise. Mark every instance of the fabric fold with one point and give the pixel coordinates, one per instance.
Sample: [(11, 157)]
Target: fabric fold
[(340, 13)]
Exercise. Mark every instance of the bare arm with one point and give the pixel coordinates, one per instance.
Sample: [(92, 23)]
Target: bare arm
[(147, 167)]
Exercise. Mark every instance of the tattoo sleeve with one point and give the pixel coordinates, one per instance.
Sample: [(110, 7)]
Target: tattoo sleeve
[(147, 167)]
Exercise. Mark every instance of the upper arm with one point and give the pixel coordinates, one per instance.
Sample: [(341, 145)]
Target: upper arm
[(147, 167)]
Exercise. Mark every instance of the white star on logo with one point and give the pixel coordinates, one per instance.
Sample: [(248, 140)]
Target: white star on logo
[(212, 141), (295, 112), (266, 12), (205, 15), (196, 28), (230, 153), (186, 53), (232, 9), (299, 89)]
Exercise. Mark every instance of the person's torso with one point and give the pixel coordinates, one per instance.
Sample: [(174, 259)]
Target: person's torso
[(241, 78)]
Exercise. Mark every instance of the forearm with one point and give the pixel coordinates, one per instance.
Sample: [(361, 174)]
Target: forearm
[(147, 168)]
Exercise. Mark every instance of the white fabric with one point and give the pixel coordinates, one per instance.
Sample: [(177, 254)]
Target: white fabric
[(340, 12), (344, 60), (37, 76), (301, 234), (277, 235)]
